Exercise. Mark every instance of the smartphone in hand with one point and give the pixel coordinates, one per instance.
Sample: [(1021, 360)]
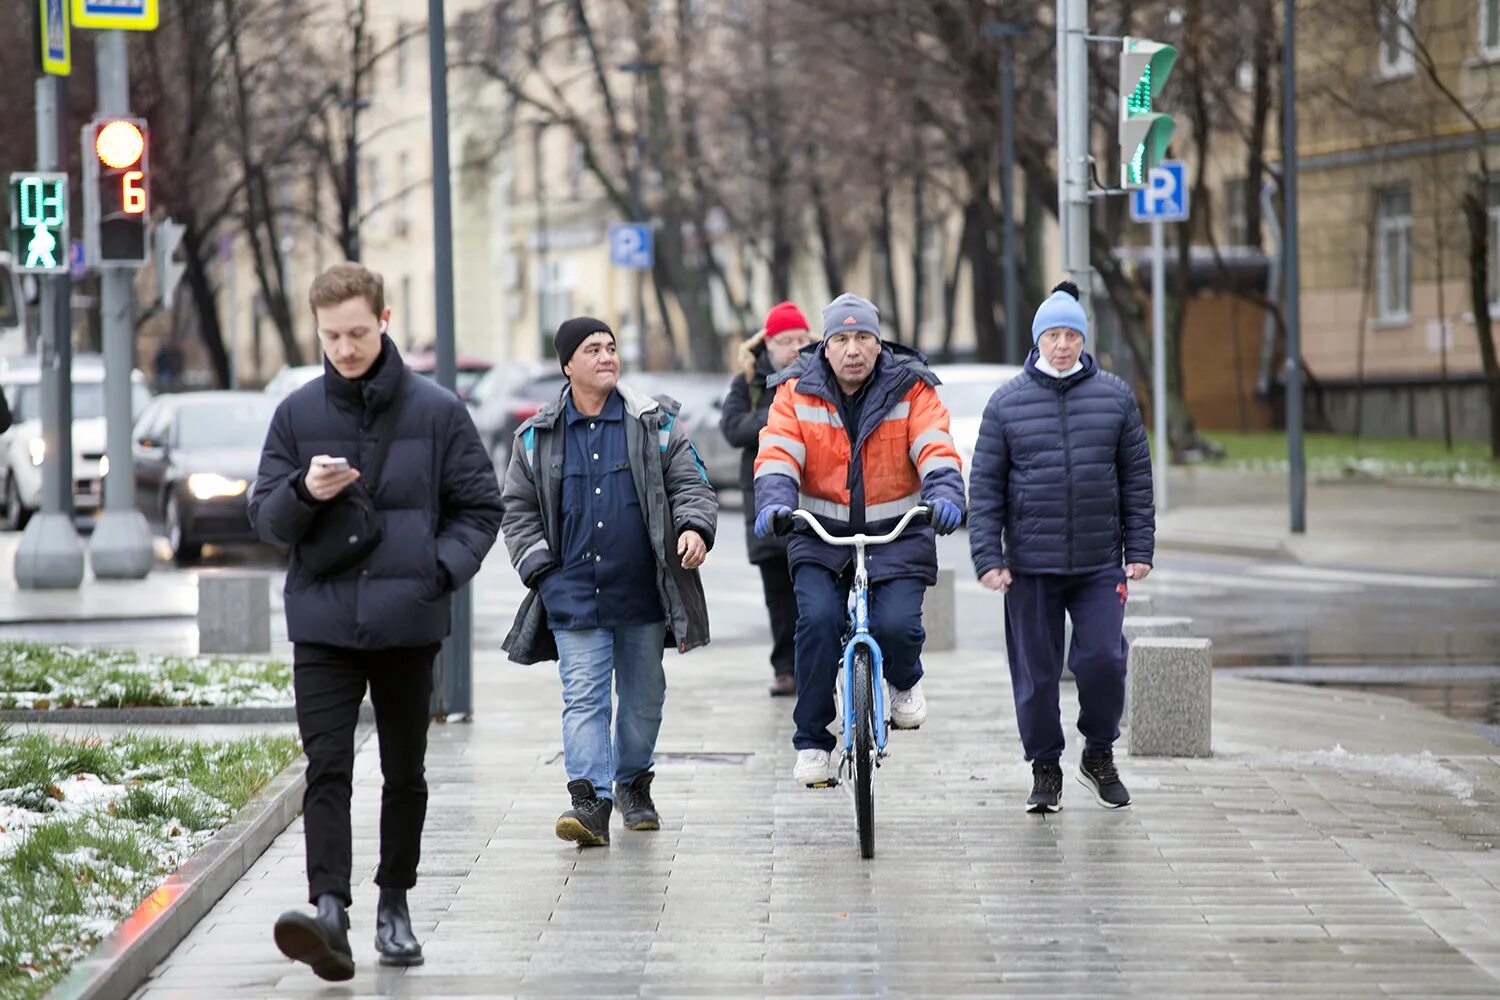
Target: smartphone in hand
[(332, 464)]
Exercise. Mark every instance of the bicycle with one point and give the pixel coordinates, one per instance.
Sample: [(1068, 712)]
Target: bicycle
[(863, 699)]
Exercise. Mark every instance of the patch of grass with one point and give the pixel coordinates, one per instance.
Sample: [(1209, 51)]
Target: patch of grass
[(1338, 454), (85, 865), (33, 675)]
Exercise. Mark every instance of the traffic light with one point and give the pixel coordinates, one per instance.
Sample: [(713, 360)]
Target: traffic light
[(38, 232), (117, 177), (1144, 133)]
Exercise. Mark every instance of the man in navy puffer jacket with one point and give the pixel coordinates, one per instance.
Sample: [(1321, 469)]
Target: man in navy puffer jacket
[(1060, 498)]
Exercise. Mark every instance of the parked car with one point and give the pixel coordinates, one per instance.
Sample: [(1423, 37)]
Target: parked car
[(195, 458), (965, 390), (290, 379), (471, 370), (505, 397), (23, 449), (702, 397)]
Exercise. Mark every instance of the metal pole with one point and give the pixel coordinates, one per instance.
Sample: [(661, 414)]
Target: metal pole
[(456, 663), (50, 555), (121, 546), (1015, 350), (1162, 448), (1064, 134), (1292, 304), (232, 319), (1073, 121), (638, 339)]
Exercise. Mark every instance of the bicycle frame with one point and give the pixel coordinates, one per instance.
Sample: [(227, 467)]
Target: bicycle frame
[(859, 621)]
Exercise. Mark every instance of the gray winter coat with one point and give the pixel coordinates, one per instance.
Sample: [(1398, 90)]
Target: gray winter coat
[(671, 484)]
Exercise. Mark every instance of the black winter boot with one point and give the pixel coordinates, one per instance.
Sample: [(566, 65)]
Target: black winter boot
[(636, 807), (321, 941), (587, 823), (393, 934)]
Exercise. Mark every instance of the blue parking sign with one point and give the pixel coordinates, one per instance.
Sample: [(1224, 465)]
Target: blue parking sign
[(1165, 196), (631, 246)]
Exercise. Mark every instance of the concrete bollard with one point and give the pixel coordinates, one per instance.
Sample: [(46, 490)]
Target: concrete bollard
[(234, 613), (940, 613), (1170, 696), (1139, 606), (1152, 627)]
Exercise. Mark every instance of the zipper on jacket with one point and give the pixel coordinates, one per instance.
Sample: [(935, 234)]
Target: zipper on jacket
[(1062, 408)]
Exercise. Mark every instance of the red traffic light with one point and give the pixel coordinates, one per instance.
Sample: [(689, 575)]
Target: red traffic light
[(119, 144)]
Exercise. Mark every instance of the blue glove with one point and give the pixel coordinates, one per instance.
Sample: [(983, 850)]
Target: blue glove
[(763, 526), (946, 517)]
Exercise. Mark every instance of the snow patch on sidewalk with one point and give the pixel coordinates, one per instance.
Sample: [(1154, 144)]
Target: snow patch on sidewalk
[(1422, 770)]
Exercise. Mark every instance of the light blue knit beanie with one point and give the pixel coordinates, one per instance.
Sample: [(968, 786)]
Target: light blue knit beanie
[(1060, 309)]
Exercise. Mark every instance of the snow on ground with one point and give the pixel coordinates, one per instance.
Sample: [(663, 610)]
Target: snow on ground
[(1413, 770)]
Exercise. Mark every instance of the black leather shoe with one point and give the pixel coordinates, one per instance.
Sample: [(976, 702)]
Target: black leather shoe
[(393, 934), (587, 823), (636, 807), (321, 941)]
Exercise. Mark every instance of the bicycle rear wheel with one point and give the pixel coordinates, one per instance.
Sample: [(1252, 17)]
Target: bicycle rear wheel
[(864, 751)]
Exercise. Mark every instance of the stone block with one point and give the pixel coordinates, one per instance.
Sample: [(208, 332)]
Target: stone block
[(940, 613), (234, 613), (1139, 605), (1157, 627), (1170, 695)]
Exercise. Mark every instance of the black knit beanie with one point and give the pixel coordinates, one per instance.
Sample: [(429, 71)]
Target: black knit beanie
[(574, 332)]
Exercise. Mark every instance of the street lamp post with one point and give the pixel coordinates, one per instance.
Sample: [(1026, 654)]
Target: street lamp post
[(1006, 31), (639, 68)]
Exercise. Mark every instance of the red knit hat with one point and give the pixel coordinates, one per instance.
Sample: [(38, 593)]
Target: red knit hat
[(783, 317)]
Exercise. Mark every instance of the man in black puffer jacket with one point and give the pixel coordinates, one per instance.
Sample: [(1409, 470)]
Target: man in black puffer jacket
[(381, 616), (1059, 496)]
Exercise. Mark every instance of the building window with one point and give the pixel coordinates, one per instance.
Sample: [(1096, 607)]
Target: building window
[(1393, 254), (369, 194), (1397, 19), (402, 221), (1489, 28), (1237, 215), (403, 29), (576, 167)]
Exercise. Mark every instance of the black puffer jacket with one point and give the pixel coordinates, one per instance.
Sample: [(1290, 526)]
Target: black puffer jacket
[(1061, 481), (746, 409), (438, 499)]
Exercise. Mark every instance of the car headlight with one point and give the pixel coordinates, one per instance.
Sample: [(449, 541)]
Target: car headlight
[(209, 485), (103, 466), (37, 449)]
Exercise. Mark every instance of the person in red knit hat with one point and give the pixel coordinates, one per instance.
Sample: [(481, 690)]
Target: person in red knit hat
[(746, 409)]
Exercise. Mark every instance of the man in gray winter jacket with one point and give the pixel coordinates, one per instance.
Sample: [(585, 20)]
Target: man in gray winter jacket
[(608, 515)]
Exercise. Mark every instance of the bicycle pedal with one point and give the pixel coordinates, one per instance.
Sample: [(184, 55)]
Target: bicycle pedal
[(830, 783)]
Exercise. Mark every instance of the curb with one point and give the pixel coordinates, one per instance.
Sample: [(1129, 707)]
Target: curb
[(1225, 545), (163, 715), (125, 959), (60, 619)]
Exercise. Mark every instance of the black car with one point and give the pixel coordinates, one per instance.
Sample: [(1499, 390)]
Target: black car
[(195, 460)]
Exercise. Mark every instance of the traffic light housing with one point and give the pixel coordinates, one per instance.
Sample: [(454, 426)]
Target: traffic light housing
[(116, 186), (1144, 132)]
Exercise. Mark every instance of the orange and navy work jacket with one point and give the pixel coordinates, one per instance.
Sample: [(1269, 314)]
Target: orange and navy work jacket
[(859, 478)]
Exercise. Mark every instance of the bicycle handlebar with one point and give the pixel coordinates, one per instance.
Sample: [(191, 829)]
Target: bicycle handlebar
[(783, 524)]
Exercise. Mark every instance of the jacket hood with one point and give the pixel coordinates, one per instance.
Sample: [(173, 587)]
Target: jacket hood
[(637, 404), (752, 357), (896, 361)]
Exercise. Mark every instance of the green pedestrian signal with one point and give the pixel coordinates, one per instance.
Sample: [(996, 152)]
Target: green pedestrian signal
[(38, 233), (1145, 133)]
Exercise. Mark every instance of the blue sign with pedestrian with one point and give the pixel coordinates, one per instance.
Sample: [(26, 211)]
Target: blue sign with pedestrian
[(631, 246), (1165, 196)]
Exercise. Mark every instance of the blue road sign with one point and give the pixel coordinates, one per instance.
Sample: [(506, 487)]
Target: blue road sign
[(1165, 196), (57, 53), (631, 246), (129, 15), (78, 265)]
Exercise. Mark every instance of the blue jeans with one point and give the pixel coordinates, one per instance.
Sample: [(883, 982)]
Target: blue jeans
[(822, 617), (588, 658)]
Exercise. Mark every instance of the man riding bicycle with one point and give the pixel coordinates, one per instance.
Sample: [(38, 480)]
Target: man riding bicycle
[(857, 436)]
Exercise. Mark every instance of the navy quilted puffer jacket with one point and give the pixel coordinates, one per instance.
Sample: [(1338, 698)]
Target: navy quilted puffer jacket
[(1061, 481)]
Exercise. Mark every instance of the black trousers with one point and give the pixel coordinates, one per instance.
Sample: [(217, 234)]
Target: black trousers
[(781, 602), (330, 684)]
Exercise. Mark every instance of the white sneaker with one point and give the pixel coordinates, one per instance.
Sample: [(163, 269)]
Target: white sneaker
[(908, 708), (812, 768)]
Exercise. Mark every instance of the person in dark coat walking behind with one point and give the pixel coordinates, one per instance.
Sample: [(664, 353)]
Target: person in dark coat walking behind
[(367, 446), (1059, 495), (608, 515), (746, 410)]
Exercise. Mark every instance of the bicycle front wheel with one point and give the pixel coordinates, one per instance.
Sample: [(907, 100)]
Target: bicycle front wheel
[(864, 750)]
